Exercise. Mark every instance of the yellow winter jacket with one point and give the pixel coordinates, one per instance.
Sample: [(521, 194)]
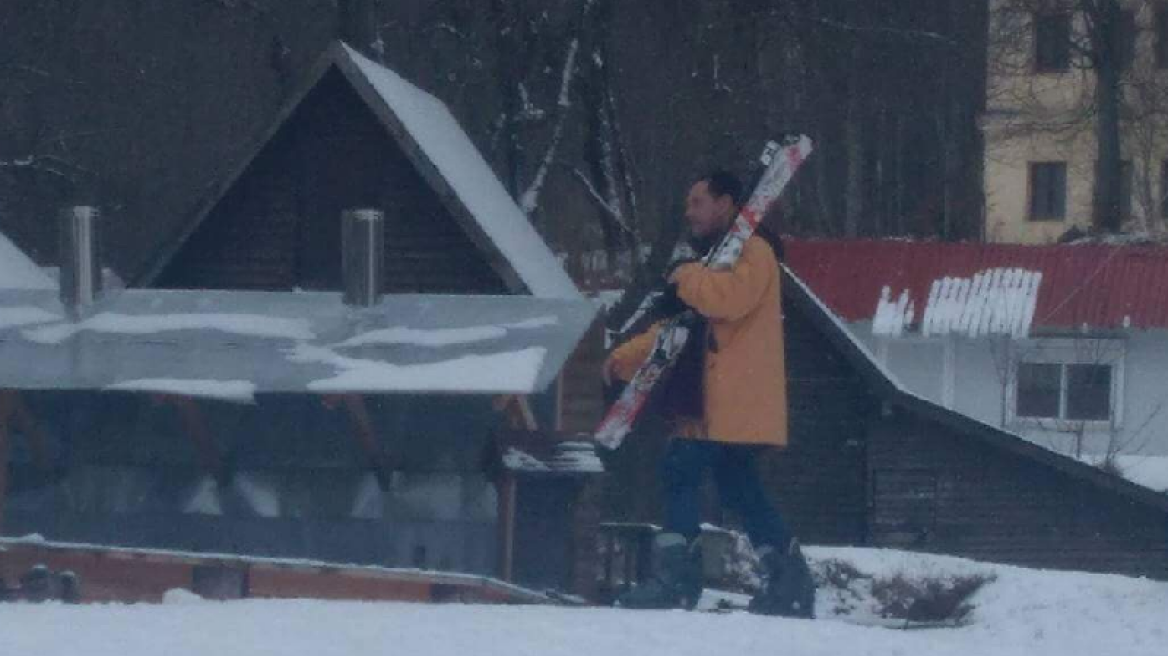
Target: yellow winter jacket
[(745, 378)]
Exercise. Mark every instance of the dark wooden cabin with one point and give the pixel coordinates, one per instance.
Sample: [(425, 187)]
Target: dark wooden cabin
[(409, 474), (872, 464)]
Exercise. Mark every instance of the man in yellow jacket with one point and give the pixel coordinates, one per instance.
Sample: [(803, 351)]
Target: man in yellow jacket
[(726, 401)]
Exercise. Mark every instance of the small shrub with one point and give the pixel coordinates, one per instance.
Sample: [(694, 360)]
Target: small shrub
[(834, 573), (928, 600)]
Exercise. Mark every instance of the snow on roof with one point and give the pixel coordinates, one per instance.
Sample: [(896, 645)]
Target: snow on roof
[(231, 345), (892, 317), (516, 369), (143, 324), (18, 271), (844, 332), (444, 336), (240, 391), (1069, 286), (443, 141), (992, 301)]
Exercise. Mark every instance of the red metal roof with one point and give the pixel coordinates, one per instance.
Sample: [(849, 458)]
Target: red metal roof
[(1102, 286)]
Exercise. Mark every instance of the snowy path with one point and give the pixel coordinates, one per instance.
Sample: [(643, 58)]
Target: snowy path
[(1023, 612)]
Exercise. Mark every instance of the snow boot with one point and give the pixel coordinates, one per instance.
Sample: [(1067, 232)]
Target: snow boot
[(677, 576), (788, 587)]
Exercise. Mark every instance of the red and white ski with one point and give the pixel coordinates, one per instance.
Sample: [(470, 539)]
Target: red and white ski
[(782, 161)]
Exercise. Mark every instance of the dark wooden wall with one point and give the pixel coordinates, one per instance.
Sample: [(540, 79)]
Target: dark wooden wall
[(818, 482), (279, 226), (935, 490), (556, 532)]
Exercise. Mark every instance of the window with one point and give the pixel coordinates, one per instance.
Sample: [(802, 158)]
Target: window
[(1125, 37), (1039, 389), (1164, 189), (1052, 42), (1160, 26), (1048, 191), (1088, 392), (1125, 189), (1068, 391)]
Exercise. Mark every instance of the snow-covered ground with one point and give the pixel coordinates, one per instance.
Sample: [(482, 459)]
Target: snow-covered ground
[(1020, 612)]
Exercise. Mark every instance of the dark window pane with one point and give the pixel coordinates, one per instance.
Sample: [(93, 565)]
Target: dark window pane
[(1126, 179), (1048, 191), (1164, 188), (1125, 36), (1161, 27), (1038, 390), (1089, 391), (1052, 42)]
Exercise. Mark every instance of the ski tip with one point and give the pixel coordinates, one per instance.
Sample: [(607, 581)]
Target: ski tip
[(794, 145), (768, 153), (794, 140)]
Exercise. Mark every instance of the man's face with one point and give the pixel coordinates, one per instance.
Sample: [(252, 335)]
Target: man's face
[(705, 213)]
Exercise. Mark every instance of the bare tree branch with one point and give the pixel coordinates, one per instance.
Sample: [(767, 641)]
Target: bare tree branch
[(609, 210), (900, 33)]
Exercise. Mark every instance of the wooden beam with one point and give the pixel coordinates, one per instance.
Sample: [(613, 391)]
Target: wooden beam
[(7, 402), (526, 413), (518, 411), (365, 435), (195, 426)]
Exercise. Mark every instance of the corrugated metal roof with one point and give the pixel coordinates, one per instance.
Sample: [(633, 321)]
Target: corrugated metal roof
[(231, 344), (1100, 286)]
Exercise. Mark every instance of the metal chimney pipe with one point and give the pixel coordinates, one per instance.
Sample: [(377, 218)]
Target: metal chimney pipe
[(80, 266), (362, 255)]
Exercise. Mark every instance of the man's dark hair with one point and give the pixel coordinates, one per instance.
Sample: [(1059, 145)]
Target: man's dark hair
[(722, 183)]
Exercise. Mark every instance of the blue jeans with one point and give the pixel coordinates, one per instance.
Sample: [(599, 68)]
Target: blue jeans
[(738, 488)]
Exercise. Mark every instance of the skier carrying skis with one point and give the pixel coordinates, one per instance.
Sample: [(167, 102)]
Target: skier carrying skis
[(726, 402)]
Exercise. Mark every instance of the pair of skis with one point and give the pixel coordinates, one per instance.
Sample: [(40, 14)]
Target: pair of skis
[(782, 160)]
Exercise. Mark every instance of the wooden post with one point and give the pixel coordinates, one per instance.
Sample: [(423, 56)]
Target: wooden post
[(517, 410), (366, 437), (507, 498), (558, 422), (7, 402), (34, 435), (196, 429)]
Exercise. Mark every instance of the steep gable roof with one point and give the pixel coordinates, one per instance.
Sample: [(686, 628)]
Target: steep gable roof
[(423, 127), (883, 384)]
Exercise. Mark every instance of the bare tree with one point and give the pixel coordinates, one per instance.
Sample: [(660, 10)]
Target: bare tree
[(1090, 93)]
